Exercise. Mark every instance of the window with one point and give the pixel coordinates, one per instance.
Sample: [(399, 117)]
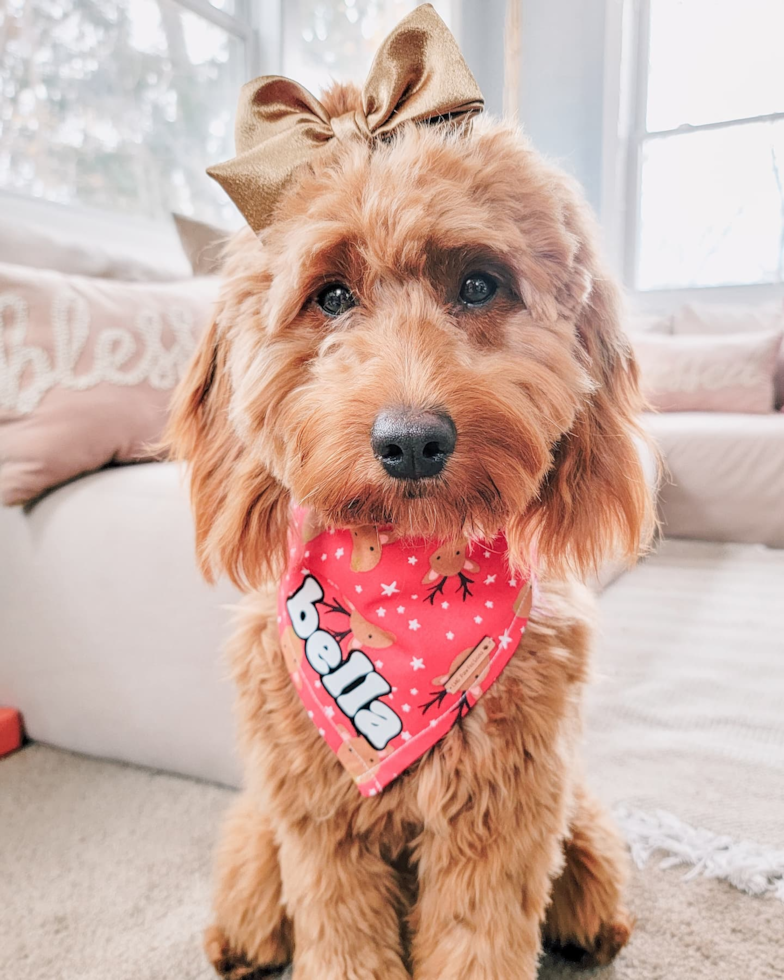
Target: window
[(707, 157), (324, 41), (121, 104)]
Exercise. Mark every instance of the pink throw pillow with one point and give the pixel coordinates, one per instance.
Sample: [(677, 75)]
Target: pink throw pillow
[(727, 318), (732, 373), (86, 371)]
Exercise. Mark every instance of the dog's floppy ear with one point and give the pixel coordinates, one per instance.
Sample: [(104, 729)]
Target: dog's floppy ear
[(595, 503), (241, 511)]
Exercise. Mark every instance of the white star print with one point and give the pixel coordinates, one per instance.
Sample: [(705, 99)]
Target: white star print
[(401, 609), (358, 588), (329, 711), (513, 582), (413, 624), (318, 683), (324, 556), (414, 691), (417, 664), (405, 736), (304, 571), (389, 589), (490, 579), (489, 604), (339, 553), (310, 714), (381, 612), (450, 635), (414, 596), (307, 554), (413, 560), (406, 707), (445, 604), (477, 619), (379, 664), (433, 723), (487, 554), (322, 733), (372, 792), (505, 639)]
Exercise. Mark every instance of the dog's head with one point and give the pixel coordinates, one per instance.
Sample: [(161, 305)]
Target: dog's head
[(423, 338)]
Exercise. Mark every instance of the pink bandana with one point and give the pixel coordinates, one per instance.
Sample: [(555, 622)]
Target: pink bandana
[(389, 642)]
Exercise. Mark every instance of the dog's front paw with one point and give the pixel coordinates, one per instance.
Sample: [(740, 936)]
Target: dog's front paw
[(353, 963), (234, 964), (604, 947)]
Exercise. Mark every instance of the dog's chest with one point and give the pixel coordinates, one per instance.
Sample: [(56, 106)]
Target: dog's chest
[(390, 642)]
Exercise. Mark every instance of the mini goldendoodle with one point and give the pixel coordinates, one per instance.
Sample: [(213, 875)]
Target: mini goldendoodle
[(415, 414)]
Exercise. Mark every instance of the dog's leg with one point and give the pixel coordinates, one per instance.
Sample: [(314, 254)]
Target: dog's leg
[(250, 932), (345, 902), (587, 922), (469, 922)]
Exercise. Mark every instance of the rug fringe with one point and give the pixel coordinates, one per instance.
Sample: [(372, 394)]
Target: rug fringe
[(748, 866)]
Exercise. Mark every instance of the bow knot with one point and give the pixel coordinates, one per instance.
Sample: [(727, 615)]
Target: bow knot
[(349, 126), (418, 75)]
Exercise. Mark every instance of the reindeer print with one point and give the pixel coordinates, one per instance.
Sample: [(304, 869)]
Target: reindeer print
[(466, 673), (450, 560), (524, 601), (374, 657), (367, 543), (361, 632), (357, 755)]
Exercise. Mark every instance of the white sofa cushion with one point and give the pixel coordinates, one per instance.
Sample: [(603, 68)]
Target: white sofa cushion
[(726, 476), (110, 641), (88, 242), (729, 318)]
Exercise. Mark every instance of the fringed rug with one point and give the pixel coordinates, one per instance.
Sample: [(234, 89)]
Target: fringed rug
[(686, 714)]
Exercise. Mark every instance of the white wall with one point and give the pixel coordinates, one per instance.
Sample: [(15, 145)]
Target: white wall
[(562, 85), (481, 31), (561, 76)]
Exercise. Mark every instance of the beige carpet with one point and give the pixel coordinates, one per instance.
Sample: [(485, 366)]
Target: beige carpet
[(104, 869), (686, 711)]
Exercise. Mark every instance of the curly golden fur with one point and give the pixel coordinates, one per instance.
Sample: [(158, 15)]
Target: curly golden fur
[(490, 843)]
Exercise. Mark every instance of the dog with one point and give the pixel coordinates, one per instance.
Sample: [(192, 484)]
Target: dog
[(416, 342)]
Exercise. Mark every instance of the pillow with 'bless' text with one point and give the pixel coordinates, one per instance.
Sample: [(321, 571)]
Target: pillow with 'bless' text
[(87, 367)]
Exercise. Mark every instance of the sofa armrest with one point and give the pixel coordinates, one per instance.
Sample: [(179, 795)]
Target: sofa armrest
[(725, 476)]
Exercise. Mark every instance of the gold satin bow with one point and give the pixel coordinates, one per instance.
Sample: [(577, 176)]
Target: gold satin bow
[(418, 75)]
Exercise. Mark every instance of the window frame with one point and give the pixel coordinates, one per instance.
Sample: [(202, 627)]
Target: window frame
[(627, 45), (257, 23)]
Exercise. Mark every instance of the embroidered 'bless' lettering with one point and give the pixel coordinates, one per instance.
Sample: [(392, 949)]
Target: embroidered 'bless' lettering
[(119, 356), (354, 683)]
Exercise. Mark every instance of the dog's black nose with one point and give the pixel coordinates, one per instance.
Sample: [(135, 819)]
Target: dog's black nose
[(411, 445)]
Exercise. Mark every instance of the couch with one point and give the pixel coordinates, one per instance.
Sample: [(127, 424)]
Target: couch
[(109, 638)]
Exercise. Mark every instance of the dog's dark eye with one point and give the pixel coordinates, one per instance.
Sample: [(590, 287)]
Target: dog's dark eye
[(477, 289), (336, 299)]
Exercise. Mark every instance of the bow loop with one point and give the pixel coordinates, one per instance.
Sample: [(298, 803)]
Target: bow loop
[(418, 75)]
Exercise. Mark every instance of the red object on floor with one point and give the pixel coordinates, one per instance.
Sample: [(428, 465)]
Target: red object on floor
[(10, 730)]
